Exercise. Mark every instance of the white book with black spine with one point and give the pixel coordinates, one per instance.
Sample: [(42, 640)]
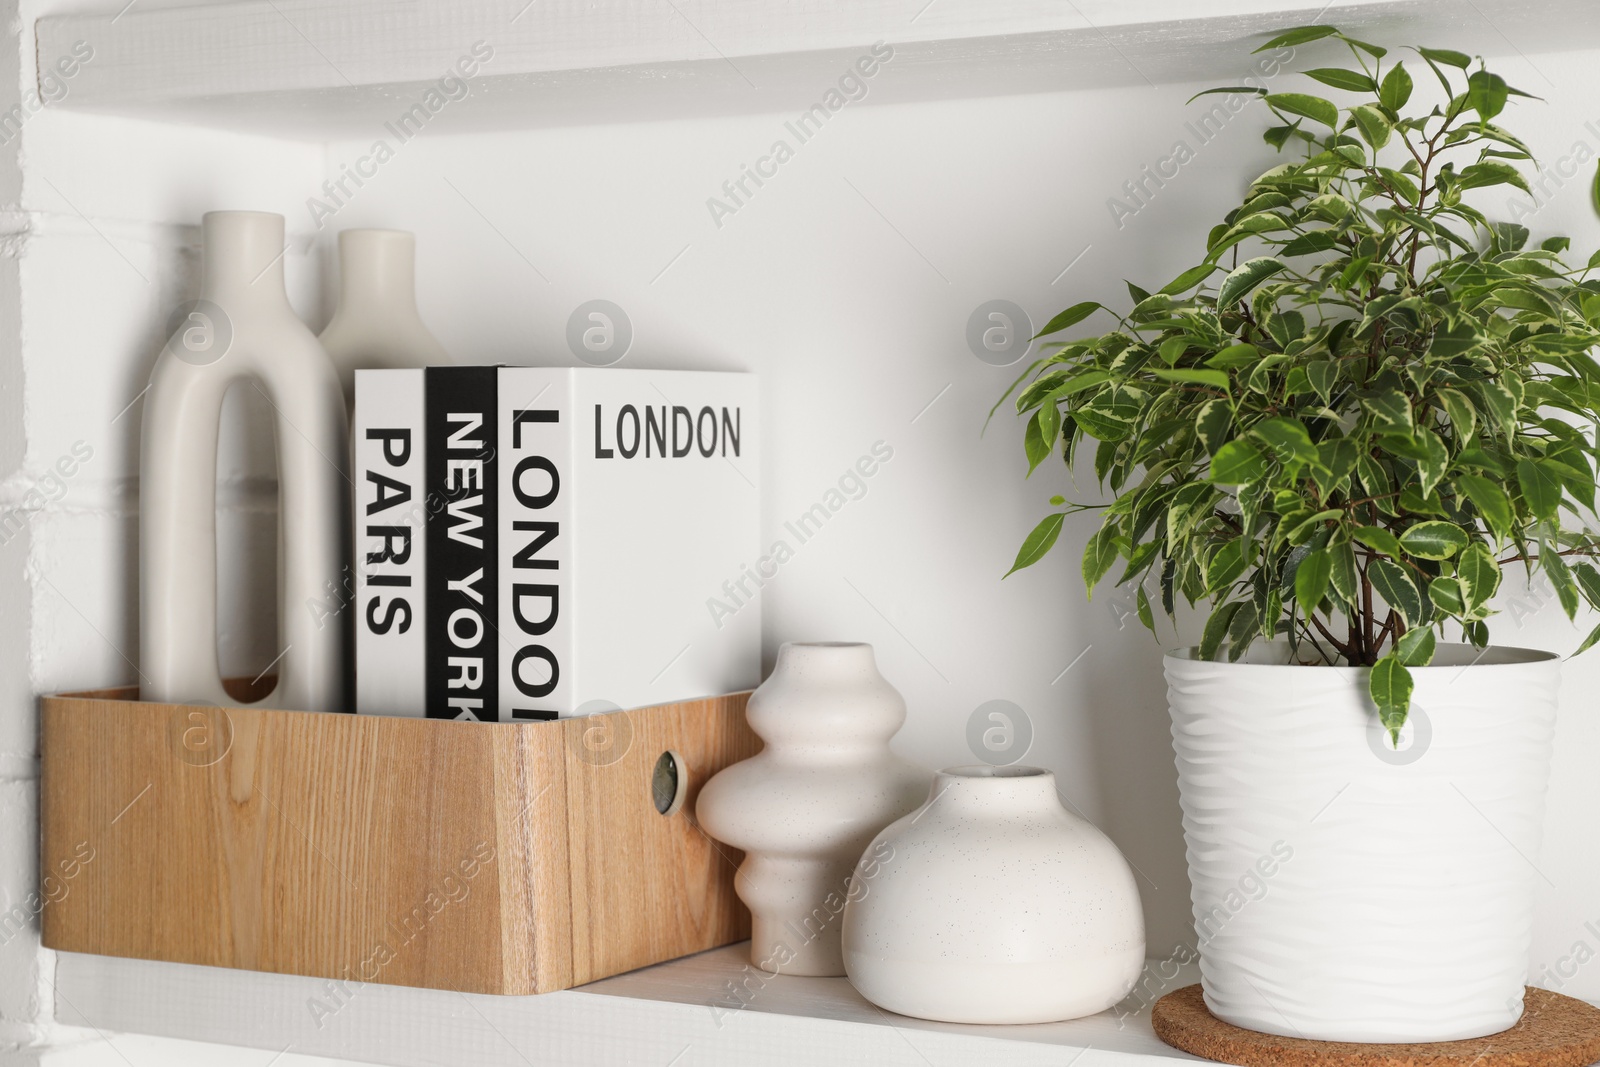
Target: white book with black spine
[(628, 499), (390, 543)]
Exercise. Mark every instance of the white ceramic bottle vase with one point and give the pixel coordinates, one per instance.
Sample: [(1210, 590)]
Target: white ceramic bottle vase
[(993, 904), (376, 323), (805, 806), (241, 328)]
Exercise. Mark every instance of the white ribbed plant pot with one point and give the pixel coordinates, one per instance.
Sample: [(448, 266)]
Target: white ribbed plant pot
[(1347, 891)]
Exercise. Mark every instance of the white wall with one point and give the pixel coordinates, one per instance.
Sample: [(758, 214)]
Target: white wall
[(101, 242), (846, 282)]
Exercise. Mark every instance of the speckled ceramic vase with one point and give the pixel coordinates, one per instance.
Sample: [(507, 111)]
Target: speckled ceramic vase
[(992, 903), (804, 806)]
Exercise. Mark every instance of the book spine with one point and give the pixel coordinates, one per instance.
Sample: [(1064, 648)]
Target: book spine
[(390, 547), (536, 428), (463, 670)]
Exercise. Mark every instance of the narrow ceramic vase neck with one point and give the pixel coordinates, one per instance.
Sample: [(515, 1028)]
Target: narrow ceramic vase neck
[(826, 661), (845, 709), (243, 261), (982, 790), (377, 272)]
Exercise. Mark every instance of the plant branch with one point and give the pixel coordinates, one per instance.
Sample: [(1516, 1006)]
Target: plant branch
[(1344, 649)]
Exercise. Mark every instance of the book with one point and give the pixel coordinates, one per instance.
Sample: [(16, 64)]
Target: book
[(542, 542), (426, 574), (462, 672), (628, 499), (390, 545)]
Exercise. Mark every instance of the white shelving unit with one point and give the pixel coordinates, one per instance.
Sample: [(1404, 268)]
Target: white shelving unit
[(702, 1010), (314, 70)]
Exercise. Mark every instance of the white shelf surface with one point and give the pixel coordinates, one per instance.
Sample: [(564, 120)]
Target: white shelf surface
[(685, 1013), (313, 70)]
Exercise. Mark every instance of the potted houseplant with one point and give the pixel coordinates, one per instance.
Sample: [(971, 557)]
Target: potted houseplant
[(1338, 428)]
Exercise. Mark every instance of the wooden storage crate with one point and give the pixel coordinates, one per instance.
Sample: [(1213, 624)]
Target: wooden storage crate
[(484, 857)]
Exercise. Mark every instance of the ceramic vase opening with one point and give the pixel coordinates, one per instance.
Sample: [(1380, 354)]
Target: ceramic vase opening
[(984, 770), (249, 558)]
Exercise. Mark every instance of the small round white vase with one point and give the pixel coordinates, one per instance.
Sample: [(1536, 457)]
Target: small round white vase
[(1345, 890), (804, 806), (992, 903)]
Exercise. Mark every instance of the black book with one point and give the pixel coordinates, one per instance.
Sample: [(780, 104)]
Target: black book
[(462, 579)]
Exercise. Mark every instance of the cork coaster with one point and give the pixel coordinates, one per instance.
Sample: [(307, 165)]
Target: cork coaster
[(1554, 1031)]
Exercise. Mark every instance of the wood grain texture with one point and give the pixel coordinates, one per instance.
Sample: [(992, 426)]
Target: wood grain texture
[(632, 899), (369, 848), (1554, 1031)]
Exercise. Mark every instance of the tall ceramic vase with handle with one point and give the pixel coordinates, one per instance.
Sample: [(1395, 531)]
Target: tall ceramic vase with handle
[(376, 323), (241, 329), (805, 806)]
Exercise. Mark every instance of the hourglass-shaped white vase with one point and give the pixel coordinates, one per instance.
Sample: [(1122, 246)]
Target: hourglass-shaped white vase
[(241, 329), (805, 806)]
